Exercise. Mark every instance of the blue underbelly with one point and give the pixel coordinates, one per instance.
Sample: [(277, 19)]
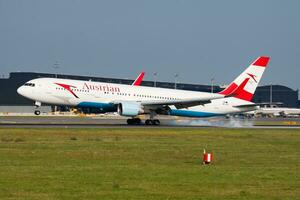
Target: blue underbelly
[(107, 107), (189, 113)]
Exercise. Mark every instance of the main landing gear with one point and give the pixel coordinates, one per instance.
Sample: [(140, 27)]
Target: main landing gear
[(134, 121), (138, 121), (148, 122), (152, 122)]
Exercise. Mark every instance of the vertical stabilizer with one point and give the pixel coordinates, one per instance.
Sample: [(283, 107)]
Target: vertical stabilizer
[(253, 75)]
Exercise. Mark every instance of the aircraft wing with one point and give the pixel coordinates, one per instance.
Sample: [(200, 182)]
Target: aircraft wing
[(177, 103), (184, 103)]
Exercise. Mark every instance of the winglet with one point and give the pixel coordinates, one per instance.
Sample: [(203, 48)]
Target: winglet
[(139, 79)]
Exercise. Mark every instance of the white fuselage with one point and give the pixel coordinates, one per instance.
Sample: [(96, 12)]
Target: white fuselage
[(103, 96)]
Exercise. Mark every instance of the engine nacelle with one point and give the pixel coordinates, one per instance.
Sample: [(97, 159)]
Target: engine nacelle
[(129, 109)]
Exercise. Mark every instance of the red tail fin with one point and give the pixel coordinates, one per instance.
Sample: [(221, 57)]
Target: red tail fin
[(229, 90), (248, 80), (241, 93)]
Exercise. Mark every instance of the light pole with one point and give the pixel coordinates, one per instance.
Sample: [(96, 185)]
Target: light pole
[(271, 94), (212, 85), (176, 76), (154, 75), (56, 67)]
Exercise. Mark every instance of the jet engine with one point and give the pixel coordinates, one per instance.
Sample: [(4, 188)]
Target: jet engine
[(129, 109)]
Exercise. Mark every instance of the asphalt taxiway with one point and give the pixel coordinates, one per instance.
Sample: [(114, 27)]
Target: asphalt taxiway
[(120, 122)]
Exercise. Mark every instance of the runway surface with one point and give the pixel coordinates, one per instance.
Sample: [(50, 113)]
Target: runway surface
[(120, 122)]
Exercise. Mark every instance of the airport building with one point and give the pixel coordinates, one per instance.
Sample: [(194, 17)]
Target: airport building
[(10, 101)]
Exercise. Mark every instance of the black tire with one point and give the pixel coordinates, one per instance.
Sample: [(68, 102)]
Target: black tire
[(137, 121), (37, 112), (156, 122), (148, 122), (134, 121), (129, 121)]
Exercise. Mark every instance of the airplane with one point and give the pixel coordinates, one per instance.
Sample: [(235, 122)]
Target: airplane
[(273, 109), (238, 102), (131, 101)]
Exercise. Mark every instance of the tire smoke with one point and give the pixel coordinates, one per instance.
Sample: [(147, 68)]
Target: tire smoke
[(230, 122)]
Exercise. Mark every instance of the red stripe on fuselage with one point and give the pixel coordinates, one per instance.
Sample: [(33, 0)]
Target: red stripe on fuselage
[(67, 87)]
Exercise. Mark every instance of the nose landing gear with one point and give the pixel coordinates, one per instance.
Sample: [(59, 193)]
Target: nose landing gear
[(37, 112), (37, 104)]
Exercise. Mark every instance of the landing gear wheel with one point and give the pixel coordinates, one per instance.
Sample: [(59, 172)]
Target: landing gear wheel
[(148, 122), (134, 121), (155, 122), (152, 122), (137, 121), (37, 112)]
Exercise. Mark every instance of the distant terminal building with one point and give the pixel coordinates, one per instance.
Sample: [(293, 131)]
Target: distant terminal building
[(10, 101), (286, 96)]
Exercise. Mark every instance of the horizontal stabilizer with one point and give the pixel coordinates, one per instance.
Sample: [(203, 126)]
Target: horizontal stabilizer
[(246, 106)]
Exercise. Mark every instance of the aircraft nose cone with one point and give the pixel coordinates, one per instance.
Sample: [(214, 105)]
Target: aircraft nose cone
[(20, 90)]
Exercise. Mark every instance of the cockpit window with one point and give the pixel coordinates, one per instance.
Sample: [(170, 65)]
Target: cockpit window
[(29, 84)]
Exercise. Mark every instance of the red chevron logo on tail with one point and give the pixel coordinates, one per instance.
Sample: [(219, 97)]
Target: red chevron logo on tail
[(253, 77)]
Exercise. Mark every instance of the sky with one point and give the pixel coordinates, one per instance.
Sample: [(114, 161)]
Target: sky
[(198, 40)]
